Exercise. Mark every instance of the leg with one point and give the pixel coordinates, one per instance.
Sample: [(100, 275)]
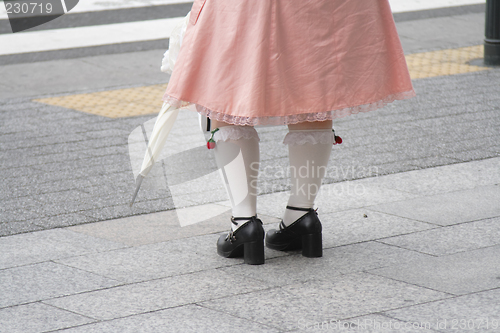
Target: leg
[(309, 146), (240, 172), (308, 162), (237, 156)]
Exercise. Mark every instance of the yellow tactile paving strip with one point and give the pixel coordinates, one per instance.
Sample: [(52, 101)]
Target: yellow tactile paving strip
[(114, 103), (444, 62), (147, 100)]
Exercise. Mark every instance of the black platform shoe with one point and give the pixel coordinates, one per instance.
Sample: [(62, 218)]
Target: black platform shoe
[(305, 234), (246, 241)]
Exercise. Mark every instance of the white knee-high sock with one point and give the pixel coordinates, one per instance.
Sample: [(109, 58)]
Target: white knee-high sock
[(309, 152), (237, 156)]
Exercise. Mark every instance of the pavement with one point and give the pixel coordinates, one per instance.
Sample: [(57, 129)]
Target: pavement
[(409, 207)]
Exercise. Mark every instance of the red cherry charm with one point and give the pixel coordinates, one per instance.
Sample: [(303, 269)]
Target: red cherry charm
[(337, 139), (211, 141)]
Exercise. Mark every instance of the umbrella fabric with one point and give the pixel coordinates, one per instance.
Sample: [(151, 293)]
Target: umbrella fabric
[(163, 125)]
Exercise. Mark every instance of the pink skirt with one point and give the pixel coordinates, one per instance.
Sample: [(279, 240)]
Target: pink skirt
[(270, 62)]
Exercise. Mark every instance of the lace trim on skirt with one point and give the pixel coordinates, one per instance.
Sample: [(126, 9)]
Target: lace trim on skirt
[(291, 119)]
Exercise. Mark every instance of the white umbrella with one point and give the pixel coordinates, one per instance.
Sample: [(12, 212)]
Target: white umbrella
[(163, 125), (168, 113)]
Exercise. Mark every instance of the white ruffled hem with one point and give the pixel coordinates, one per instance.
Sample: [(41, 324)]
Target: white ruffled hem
[(291, 119), (314, 137), (226, 133)]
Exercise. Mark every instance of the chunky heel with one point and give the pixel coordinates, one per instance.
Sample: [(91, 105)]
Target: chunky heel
[(304, 233), (247, 241), (312, 245), (253, 252)]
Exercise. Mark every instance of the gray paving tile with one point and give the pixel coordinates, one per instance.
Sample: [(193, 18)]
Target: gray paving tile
[(273, 307), (123, 210), (458, 274), (358, 161), (18, 172), (272, 204), (96, 163), (63, 220), (105, 132), (13, 228), (47, 245), (189, 318), (46, 280), (200, 198), (397, 167), (20, 214), (374, 323), (451, 239), (121, 178), (336, 261), (160, 226), (149, 262), (32, 157), (323, 300), (157, 294), (471, 155), (57, 203), (494, 149), (25, 186), (157, 227), (351, 226), (334, 198), (443, 179), (45, 140), (205, 246), (273, 186), (18, 205), (433, 161), (103, 151), (350, 195), (136, 230), (36, 317), (449, 208), (477, 312), (68, 175), (102, 196)]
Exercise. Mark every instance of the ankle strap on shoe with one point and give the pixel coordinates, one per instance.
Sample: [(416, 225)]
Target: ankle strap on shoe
[(298, 208), (234, 219)]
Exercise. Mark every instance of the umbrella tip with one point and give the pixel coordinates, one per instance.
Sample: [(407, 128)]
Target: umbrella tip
[(138, 186)]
